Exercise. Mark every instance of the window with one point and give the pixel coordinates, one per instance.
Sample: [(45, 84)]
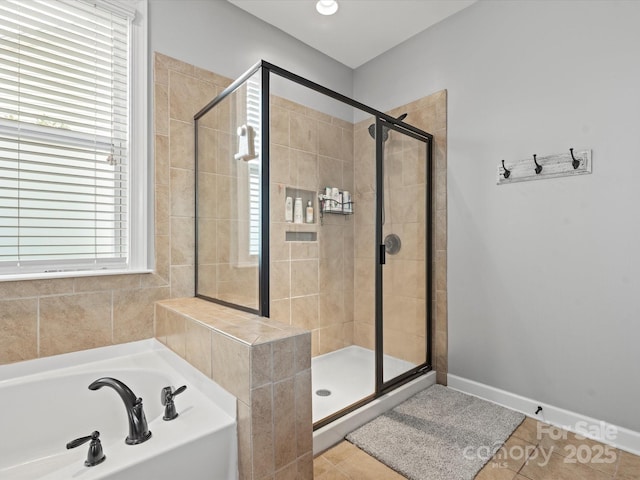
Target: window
[(71, 179), (254, 121), (249, 178)]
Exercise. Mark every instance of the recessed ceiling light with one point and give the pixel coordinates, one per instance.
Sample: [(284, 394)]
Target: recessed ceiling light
[(327, 7)]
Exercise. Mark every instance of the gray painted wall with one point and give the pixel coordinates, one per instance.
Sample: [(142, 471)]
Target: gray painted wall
[(543, 276), (220, 37)]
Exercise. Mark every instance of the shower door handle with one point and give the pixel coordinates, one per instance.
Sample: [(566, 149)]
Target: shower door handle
[(383, 254)]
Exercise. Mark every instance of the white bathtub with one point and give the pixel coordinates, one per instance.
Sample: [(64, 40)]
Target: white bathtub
[(46, 403)]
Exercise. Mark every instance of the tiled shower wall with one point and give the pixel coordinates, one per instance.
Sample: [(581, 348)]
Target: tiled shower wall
[(404, 327), (222, 273), (311, 282)]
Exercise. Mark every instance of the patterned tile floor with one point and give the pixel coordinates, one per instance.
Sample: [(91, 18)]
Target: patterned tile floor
[(535, 451)]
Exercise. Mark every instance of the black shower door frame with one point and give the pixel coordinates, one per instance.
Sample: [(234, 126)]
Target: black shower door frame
[(382, 120)]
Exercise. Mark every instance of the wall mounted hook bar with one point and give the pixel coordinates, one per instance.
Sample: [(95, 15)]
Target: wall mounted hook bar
[(538, 167), (506, 172), (575, 162)]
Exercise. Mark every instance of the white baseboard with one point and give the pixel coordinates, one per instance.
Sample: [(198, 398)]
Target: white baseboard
[(619, 437)]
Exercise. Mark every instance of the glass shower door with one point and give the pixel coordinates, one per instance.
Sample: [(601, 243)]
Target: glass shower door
[(403, 235)]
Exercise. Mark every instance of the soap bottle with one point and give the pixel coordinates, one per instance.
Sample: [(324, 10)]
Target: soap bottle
[(297, 210), (326, 205), (309, 216), (346, 202), (288, 210)]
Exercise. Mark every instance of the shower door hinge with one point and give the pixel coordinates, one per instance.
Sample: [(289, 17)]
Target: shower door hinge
[(382, 254)]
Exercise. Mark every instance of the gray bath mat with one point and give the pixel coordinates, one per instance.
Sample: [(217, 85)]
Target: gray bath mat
[(437, 434)]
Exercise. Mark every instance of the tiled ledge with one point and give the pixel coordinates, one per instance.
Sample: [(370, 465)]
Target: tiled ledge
[(266, 365)]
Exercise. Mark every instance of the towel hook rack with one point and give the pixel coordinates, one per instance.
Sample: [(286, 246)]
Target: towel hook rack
[(575, 162), (506, 172), (538, 167)]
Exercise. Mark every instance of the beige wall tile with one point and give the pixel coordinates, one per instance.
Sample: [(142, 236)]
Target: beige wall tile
[(74, 322), (261, 364), (283, 358), (211, 77), (161, 109), (280, 280), (106, 282), (304, 312), (245, 454), (303, 409), (441, 270), (304, 277), (290, 472), (182, 281), (329, 140), (262, 430), (175, 328), (169, 63), (231, 365), (304, 170), (162, 162), (280, 310), (182, 193), (279, 166), (207, 242), (331, 309), (35, 288), (18, 330), (302, 352), (303, 133), (181, 152), (207, 149), (162, 251), (284, 422), (160, 70), (162, 208), (305, 467), (133, 313), (183, 104), (182, 240), (330, 172), (279, 125), (198, 346), (160, 326), (225, 197)]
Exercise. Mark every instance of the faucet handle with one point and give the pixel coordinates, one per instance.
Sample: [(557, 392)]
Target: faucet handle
[(166, 398), (96, 454)]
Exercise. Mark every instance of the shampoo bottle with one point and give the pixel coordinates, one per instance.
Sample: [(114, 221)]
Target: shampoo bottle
[(297, 210), (309, 216), (288, 210)]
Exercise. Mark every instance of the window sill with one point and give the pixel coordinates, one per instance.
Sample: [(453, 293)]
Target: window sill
[(69, 274)]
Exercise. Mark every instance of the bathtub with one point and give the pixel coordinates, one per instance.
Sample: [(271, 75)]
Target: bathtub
[(45, 403)]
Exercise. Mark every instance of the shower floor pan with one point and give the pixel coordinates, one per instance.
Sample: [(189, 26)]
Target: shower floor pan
[(348, 374), (343, 377)]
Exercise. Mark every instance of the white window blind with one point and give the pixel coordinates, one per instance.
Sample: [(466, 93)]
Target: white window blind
[(253, 120), (64, 128)]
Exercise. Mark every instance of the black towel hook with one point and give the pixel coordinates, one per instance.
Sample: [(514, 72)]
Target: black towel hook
[(575, 162), (506, 172), (538, 167)]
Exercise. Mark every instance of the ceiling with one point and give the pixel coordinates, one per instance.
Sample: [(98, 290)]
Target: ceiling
[(360, 30)]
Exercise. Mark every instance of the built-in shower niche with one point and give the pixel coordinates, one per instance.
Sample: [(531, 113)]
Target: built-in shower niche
[(301, 231)]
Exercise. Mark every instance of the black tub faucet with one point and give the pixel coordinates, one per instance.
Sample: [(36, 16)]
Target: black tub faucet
[(138, 429)]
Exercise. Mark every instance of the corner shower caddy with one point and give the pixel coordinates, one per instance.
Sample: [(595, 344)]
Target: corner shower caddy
[(337, 208)]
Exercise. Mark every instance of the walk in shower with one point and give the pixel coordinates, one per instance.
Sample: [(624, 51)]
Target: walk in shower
[(314, 210)]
